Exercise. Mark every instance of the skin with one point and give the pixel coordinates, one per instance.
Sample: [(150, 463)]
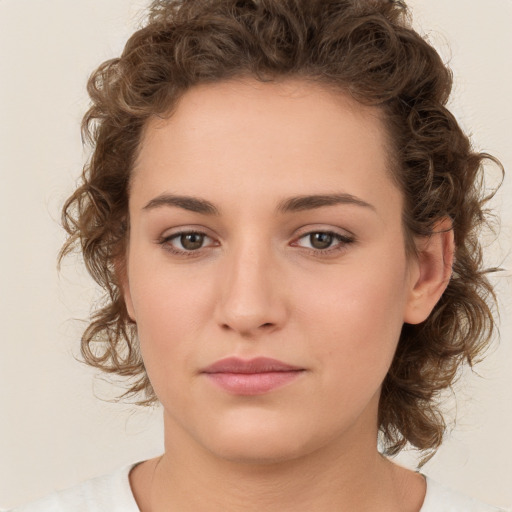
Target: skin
[(258, 285)]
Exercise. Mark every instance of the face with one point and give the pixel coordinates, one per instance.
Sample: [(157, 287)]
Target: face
[(266, 268)]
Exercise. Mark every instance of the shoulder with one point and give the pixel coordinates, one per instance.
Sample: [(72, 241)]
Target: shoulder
[(442, 499), (108, 493)]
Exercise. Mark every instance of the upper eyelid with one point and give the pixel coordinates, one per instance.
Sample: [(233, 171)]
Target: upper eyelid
[(306, 231), (326, 231), (344, 233), (183, 230)]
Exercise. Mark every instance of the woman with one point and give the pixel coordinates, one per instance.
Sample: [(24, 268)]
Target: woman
[(284, 216)]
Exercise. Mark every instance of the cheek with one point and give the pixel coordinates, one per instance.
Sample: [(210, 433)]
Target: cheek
[(162, 293), (358, 315), (166, 311)]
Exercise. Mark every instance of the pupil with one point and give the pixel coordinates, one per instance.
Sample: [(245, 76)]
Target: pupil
[(192, 241), (321, 240)]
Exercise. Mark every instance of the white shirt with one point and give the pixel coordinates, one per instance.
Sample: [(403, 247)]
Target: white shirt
[(112, 493)]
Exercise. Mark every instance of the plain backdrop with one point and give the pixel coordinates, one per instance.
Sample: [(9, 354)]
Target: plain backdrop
[(56, 428)]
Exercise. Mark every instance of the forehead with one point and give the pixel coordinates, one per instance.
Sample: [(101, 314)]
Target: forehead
[(291, 137), (302, 106)]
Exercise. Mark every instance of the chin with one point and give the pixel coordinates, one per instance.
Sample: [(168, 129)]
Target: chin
[(258, 442)]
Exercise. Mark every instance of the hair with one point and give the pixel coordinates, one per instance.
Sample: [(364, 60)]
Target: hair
[(363, 48)]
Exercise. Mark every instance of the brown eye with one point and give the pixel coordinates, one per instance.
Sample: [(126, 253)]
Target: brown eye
[(191, 241), (187, 243), (321, 240), (324, 242)]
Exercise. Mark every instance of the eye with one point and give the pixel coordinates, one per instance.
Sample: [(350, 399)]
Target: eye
[(186, 242), (324, 241)]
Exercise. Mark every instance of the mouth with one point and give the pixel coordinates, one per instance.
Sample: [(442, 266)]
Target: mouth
[(251, 377)]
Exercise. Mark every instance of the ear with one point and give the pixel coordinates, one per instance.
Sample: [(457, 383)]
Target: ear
[(430, 271), (121, 270)]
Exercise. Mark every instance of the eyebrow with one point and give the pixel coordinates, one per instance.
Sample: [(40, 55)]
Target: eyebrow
[(292, 204), (190, 203), (310, 202)]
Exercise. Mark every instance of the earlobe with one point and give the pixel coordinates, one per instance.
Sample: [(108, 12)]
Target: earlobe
[(433, 271)]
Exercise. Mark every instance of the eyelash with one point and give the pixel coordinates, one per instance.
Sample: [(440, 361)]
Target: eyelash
[(342, 240), (341, 245)]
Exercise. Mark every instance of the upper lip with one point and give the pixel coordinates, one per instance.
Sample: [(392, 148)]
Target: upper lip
[(256, 365)]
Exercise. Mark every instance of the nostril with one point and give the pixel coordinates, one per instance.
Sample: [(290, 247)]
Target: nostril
[(267, 325)]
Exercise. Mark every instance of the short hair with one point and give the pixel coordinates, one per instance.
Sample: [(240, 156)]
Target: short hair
[(363, 48)]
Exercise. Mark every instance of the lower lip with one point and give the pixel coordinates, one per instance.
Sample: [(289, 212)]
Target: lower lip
[(253, 383)]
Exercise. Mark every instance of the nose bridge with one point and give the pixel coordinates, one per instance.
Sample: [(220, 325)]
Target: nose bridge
[(250, 300)]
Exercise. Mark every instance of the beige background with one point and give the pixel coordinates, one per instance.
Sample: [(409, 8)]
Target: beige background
[(53, 429)]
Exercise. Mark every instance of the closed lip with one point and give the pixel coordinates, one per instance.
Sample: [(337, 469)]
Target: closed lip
[(250, 366)]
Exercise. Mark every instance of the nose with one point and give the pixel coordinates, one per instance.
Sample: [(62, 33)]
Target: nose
[(251, 298)]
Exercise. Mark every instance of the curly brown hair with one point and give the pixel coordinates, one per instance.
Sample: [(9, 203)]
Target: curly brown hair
[(365, 48)]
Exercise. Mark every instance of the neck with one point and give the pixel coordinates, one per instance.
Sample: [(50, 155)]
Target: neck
[(346, 474)]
